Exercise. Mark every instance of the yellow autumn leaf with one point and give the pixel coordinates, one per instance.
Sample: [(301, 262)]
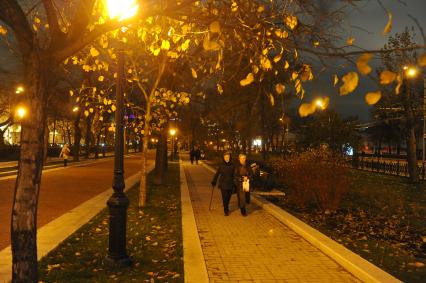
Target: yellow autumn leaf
[(248, 80), (277, 58), (422, 60), (105, 101), (91, 110), (350, 82), (113, 108), (71, 93), (3, 31), (399, 85), (86, 113), (388, 26), (350, 40), (219, 89), (306, 73), (185, 45), (387, 77), (373, 97), (101, 78), (165, 45), (214, 27), (210, 44), (260, 9), (286, 65), (94, 52), (336, 80), (294, 75), (194, 73), (306, 109), (362, 63), (291, 21), (279, 88), (265, 63), (271, 99)]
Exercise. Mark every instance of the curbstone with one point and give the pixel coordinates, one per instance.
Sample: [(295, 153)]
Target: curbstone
[(195, 270)]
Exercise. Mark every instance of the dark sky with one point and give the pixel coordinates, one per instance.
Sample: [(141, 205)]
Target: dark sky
[(366, 24)]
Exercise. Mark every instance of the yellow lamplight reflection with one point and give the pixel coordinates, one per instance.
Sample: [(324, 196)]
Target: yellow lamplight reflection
[(122, 9)]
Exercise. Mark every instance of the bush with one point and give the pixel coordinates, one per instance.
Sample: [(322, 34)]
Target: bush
[(315, 178)]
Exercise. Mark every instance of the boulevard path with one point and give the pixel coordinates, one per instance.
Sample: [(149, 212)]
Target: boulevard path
[(63, 189), (257, 248)]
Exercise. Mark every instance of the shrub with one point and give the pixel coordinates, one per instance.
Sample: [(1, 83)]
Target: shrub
[(315, 177)]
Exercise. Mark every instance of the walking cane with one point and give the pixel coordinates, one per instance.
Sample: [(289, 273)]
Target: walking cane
[(211, 198)]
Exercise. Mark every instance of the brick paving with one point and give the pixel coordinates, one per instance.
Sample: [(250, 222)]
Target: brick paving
[(257, 248)]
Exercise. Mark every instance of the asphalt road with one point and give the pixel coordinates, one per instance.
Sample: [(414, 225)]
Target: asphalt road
[(62, 190)]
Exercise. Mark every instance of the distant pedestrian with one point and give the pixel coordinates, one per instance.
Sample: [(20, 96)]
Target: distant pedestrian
[(197, 154), (192, 155), (243, 177), (225, 177), (65, 153)]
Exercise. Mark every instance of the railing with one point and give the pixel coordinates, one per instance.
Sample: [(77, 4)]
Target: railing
[(396, 168)]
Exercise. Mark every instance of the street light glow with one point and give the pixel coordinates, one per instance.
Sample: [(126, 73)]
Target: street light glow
[(172, 132), (122, 9), (19, 89), (75, 109), (410, 72), (21, 112)]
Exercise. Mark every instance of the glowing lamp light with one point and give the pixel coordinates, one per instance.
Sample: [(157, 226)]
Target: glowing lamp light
[(19, 89), (257, 142), (172, 132), (75, 109), (122, 9), (21, 112), (410, 72)]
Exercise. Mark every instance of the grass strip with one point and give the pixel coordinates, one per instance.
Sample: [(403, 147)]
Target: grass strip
[(154, 236)]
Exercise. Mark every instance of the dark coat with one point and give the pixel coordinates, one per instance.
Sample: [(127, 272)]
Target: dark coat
[(225, 174)]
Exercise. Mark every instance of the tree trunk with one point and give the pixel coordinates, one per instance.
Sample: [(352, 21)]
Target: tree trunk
[(411, 138), (24, 209), (77, 138), (161, 158), (88, 135), (145, 140)]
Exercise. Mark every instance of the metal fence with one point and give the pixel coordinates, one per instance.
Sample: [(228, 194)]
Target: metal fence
[(397, 168)]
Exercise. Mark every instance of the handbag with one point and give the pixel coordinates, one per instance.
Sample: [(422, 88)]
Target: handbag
[(246, 185)]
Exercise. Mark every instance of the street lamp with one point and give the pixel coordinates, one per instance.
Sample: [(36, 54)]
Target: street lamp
[(118, 202), (172, 134), (21, 112), (19, 89)]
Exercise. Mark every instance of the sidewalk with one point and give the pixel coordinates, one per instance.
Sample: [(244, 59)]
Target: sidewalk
[(257, 248)]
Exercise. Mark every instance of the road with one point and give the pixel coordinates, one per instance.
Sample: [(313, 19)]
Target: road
[(62, 190)]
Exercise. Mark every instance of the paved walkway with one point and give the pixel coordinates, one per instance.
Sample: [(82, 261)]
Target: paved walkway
[(257, 248)]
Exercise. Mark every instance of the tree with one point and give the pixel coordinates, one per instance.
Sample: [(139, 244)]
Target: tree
[(45, 36)]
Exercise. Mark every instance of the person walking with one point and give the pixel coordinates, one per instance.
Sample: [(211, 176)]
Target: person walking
[(192, 155), (197, 154), (243, 176), (65, 153), (225, 177)]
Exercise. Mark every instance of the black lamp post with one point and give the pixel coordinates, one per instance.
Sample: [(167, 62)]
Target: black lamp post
[(118, 202)]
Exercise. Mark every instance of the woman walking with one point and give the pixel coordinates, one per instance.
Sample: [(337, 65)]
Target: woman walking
[(243, 176), (225, 174), (65, 153)]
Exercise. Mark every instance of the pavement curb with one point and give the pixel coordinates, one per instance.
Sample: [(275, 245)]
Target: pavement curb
[(53, 233), (195, 270), (353, 263)]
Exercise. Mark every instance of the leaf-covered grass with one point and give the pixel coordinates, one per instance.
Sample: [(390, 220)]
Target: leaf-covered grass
[(382, 218), (154, 236)]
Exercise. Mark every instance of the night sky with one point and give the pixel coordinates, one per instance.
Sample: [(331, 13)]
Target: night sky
[(365, 23)]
